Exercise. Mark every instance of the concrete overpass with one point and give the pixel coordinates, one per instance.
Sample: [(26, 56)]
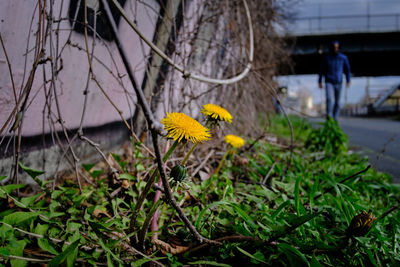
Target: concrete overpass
[(372, 50), (370, 54)]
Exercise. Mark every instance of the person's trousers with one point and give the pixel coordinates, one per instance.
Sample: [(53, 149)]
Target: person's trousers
[(333, 99)]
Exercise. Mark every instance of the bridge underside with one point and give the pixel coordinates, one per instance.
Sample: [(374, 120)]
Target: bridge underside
[(370, 54)]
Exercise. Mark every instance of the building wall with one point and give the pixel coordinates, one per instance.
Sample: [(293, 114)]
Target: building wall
[(70, 82), (62, 83)]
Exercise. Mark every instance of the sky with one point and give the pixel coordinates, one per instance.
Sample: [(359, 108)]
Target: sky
[(382, 18)]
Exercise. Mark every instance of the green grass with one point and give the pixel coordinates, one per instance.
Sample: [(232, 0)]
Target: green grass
[(299, 218), (279, 125)]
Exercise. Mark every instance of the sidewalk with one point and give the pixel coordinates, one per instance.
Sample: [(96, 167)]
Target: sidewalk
[(379, 139)]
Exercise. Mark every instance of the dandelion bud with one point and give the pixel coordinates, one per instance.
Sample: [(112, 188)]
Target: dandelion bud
[(178, 173), (360, 224)]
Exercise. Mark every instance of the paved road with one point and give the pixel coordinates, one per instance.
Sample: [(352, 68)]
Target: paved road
[(379, 139)]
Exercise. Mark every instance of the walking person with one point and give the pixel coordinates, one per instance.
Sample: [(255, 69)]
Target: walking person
[(333, 65)]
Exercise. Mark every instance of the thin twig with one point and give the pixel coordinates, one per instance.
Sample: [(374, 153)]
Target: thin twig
[(181, 69), (9, 68), (386, 213), (203, 162), (268, 174), (24, 258), (157, 187), (96, 146), (342, 181), (252, 144), (152, 125)]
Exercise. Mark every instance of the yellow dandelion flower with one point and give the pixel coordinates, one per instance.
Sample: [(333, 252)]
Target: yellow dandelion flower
[(215, 112), (234, 140), (181, 126)]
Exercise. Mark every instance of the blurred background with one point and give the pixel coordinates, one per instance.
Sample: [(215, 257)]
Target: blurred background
[(368, 32)]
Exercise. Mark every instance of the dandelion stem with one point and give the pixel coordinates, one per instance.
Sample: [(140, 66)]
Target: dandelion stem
[(188, 154), (170, 198), (146, 224), (222, 161), (170, 150), (147, 188)]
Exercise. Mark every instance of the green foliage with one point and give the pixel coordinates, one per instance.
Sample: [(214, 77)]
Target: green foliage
[(256, 258), (329, 138), (19, 217), (298, 218), (278, 124), (60, 258), (7, 189), (32, 173)]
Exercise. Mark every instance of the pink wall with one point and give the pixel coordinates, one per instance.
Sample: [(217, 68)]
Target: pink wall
[(15, 19)]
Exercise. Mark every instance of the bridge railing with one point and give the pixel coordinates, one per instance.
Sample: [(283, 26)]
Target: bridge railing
[(377, 100), (345, 23)]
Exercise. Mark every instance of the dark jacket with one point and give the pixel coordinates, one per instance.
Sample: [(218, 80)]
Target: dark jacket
[(332, 68)]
